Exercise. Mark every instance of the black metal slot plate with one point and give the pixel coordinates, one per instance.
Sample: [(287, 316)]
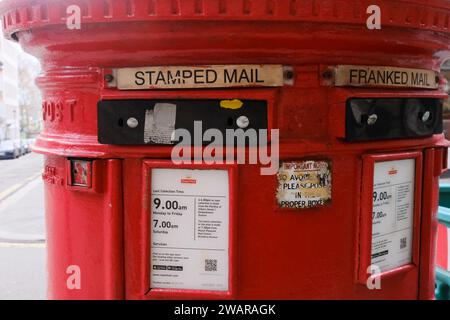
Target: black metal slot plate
[(113, 116), (396, 118)]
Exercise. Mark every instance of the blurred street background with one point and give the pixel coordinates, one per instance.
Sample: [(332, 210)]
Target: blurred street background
[(22, 225), (22, 229)]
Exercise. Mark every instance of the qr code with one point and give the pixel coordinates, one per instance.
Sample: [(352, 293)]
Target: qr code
[(210, 264), (403, 243)]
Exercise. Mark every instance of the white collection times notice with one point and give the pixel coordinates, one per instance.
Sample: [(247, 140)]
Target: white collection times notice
[(190, 229), (393, 213)]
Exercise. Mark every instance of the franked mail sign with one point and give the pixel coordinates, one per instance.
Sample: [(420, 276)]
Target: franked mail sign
[(189, 229), (304, 184), (185, 77), (375, 76), (393, 213)]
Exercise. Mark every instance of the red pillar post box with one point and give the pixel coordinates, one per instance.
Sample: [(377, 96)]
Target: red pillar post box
[(357, 105)]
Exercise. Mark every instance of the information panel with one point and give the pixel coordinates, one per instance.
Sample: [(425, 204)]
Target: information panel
[(393, 213), (190, 229)]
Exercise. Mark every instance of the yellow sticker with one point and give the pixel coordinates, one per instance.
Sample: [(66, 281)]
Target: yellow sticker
[(231, 104)]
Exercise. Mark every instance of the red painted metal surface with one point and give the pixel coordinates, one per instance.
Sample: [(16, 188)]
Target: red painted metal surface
[(442, 247), (312, 253)]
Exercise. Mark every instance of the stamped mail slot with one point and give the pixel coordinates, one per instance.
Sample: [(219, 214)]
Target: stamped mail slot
[(154, 121)]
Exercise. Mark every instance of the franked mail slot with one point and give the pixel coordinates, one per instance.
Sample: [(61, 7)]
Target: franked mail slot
[(140, 122), (392, 118)]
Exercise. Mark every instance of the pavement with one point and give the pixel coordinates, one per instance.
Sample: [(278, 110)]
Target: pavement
[(22, 271), (22, 229)]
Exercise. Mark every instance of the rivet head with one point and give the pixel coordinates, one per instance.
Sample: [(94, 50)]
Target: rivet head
[(288, 74), (242, 122), (109, 77), (328, 74), (426, 116), (132, 123), (372, 119)]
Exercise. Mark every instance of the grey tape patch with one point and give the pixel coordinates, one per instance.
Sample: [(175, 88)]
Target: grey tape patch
[(160, 123)]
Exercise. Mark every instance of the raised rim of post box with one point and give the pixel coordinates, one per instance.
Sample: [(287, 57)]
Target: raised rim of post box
[(145, 290), (365, 224), (20, 15)]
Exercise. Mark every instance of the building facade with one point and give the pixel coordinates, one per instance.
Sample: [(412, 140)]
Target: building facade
[(10, 115)]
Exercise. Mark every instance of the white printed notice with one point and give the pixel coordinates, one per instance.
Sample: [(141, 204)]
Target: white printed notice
[(189, 223), (393, 213)]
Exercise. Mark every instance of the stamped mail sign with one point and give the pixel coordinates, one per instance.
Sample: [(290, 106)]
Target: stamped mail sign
[(213, 76)]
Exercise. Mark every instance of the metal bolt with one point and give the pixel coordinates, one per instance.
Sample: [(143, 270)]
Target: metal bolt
[(288, 74), (426, 116), (242, 122), (132, 122), (372, 119), (109, 77), (328, 74)]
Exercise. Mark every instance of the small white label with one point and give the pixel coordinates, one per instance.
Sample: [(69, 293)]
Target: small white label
[(190, 226), (393, 213)]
